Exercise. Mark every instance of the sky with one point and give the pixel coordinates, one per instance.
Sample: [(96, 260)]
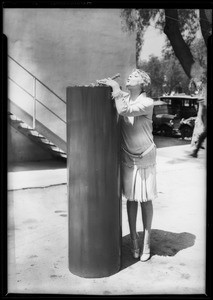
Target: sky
[(154, 41)]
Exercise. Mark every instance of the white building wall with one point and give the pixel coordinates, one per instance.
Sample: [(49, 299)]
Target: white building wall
[(64, 47), (69, 46)]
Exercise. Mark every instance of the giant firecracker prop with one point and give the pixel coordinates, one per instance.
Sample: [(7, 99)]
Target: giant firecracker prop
[(93, 182)]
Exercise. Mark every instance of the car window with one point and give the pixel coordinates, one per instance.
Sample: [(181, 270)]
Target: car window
[(186, 103), (161, 109), (168, 101)]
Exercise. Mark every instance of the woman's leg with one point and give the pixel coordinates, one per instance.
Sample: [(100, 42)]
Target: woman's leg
[(132, 208), (147, 215)]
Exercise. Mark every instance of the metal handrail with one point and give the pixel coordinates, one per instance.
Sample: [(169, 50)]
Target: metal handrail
[(36, 99), (35, 79), (20, 86), (50, 111)]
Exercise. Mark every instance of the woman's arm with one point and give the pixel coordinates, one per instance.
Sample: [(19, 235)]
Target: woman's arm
[(123, 107), (133, 109), (110, 82)]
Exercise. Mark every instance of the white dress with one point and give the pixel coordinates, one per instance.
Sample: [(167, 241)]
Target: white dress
[(138, 174)]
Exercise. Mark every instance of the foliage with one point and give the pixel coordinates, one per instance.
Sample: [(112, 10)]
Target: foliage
[(165, 71), (154, 68), (182, 37), (140, 19), (199, 52), (188, 23)]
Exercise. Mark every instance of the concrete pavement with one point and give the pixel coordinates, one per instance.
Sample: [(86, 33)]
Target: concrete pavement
[(38, 233)]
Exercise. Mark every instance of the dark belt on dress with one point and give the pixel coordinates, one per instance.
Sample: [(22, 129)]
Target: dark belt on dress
[(142, 154)]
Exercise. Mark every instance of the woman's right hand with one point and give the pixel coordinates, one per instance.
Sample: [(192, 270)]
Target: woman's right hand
[(109, 82)]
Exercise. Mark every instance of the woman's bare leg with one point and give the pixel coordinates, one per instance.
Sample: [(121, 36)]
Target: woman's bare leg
[(132, 209), (147, 216)]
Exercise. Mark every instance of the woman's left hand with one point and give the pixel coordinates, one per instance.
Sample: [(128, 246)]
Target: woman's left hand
[(108, 82)]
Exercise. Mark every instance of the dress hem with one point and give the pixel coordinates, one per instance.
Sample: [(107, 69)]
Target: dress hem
[(139, 200)]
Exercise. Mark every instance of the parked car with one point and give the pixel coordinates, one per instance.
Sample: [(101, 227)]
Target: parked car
[(164, 123), (175, 115)]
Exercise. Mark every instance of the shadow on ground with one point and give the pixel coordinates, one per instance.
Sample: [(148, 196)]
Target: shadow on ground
[(163, 243), (163, 141), (37, 165)]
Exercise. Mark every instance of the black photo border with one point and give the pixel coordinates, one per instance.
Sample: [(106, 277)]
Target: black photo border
[(3, 134)]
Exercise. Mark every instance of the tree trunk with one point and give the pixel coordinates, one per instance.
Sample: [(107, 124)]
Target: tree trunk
[(139, 43), (179, 46), (204, 25)]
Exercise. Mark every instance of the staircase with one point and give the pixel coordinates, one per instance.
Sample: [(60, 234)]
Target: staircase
[(29, 114), (36, 137)]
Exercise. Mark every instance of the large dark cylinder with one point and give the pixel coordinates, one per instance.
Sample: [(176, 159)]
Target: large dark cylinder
[(93, 182)]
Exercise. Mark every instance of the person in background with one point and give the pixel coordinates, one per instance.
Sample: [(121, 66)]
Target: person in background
[(138, 155), (200, 129), (179, 88), (165, 86)]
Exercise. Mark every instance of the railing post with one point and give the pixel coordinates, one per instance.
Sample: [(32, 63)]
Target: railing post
[(34, 102)]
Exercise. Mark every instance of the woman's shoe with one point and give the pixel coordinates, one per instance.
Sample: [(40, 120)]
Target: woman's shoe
[(145, 256), (136, 249)]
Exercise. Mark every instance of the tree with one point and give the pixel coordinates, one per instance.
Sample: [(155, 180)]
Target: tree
[(199, 51), (175, 74), (180, 27), (154, 68), (168, 69)]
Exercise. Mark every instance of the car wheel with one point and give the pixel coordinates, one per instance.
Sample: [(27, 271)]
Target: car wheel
[(186, 131), (166, 130)]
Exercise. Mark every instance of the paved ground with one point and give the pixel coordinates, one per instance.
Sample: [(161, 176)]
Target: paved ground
[(38, 235)]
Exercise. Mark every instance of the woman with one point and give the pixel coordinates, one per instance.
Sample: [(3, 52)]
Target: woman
[(138, 168)]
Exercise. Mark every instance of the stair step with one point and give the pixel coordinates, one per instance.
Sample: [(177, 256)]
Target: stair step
[(58, 152), (14, 118), (46, 142), (42, 138), (35, 133), (18, 121), (54, 148), (24, 125), (49, 144)]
